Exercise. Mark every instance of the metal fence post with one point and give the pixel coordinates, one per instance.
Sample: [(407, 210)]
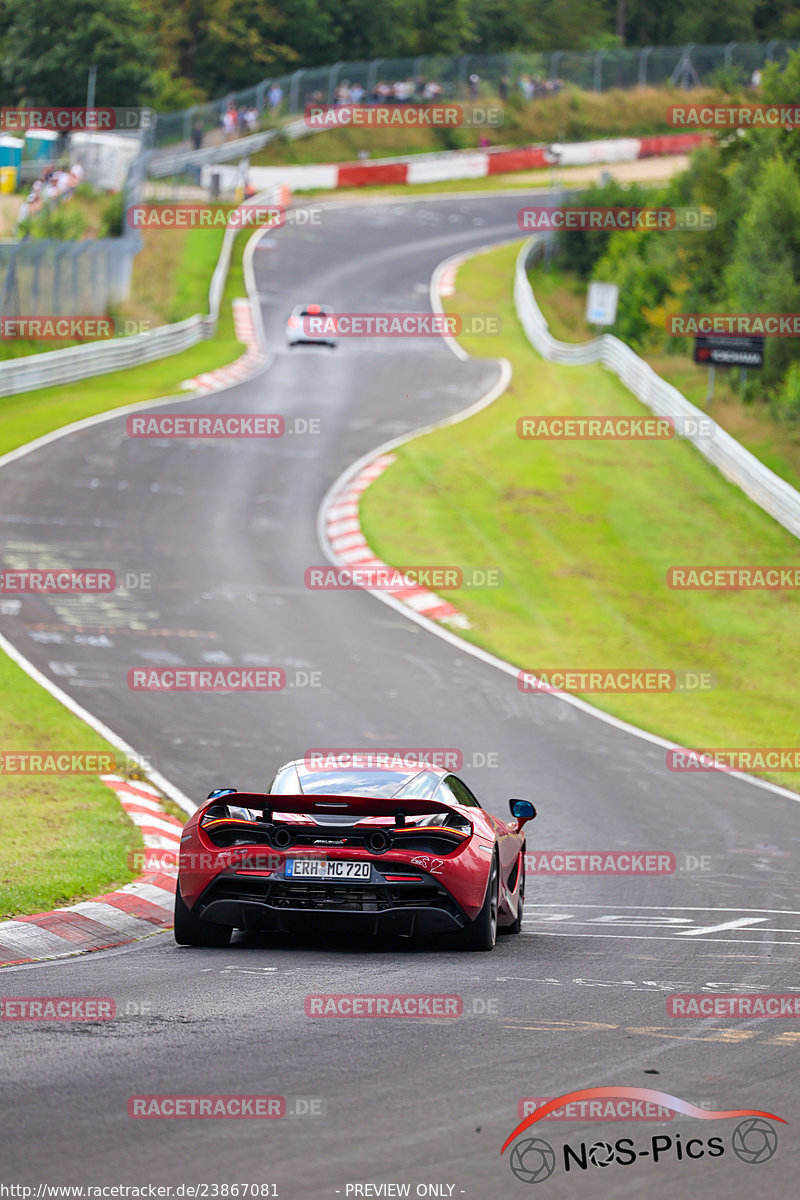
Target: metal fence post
[(333, 77), (643, 56), (598, 70), (35, 287), (462, 76), (555, 57), (76, 278), (55, 303), (294, 92), (729, 49), (372, 74)]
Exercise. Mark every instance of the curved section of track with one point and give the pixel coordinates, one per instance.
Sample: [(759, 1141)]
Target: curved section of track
[(227, 529)]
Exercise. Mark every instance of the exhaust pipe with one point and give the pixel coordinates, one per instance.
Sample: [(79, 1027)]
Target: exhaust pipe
[(282, 838), (378, 841)]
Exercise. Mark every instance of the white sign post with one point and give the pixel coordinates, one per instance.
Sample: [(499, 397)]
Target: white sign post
[(601, 303)]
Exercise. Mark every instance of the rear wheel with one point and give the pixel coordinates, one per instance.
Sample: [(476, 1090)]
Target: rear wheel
[(481, 934), (193, 931)]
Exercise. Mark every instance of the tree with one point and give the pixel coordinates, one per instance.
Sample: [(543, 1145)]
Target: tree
[(579, 251), (48, 47), (764, 272), (717, 21), (222, 45)]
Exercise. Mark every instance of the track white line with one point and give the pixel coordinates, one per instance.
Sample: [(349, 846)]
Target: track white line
[(47, 439)]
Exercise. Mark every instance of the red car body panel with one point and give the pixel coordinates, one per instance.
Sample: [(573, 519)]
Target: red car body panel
[(207, 869)]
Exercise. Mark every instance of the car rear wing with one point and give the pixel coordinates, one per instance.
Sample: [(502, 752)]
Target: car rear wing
[(358, 807)]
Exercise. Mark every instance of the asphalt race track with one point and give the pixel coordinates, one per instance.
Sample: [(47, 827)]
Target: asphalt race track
[(227, 530)]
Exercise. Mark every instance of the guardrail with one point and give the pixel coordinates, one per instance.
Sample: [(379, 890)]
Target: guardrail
[(771, 493), (99, 358), (162, 164)]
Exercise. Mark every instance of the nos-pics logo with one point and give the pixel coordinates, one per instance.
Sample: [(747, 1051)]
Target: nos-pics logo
[(532, 1160)]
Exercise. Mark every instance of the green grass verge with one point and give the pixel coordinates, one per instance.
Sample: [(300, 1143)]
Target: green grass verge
[(31, 414), (584, 533), (66, 838)]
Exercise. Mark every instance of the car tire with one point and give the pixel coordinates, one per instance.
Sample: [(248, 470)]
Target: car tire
[(194, 931), (516, 924), (481, 934)]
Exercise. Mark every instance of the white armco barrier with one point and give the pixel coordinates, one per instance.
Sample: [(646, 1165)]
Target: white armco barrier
[(771, 493), (310, 175), (435, 170), (579, 154), (451, 164)]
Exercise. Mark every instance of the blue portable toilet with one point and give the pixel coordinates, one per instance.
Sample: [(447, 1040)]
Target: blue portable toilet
[(40, 144), (10, 158)]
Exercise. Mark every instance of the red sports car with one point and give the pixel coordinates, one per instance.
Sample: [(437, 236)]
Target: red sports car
[(407, 851)]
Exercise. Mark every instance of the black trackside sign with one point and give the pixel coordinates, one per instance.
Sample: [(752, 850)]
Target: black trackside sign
[(726, 351)]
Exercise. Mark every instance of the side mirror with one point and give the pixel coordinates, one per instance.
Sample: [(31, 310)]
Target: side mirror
[(523, 810), (223, 791)]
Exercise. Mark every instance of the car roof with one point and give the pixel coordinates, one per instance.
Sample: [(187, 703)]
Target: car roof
[(386, 781), (323, 310)]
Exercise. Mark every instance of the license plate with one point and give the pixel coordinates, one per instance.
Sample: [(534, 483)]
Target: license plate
[(326, 868)]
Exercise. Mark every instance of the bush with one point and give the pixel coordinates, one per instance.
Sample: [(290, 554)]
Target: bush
[(62, 222), (785, 399), (111, 216), (580, 251)]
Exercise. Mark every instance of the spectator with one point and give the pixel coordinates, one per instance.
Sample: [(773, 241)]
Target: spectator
[(275, 97), (197, 135), (474, 86), (755, 79), (503, 88), (251, 119), (357, 94), (229, 123), (527, 87), (54, 185)]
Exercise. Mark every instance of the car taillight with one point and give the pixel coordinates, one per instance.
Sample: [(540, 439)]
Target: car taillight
[(293, 322)]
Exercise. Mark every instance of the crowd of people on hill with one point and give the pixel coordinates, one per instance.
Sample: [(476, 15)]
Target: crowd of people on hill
[(54, 184), (236, 122), (240, 119), (402, 91), (533, 86)]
